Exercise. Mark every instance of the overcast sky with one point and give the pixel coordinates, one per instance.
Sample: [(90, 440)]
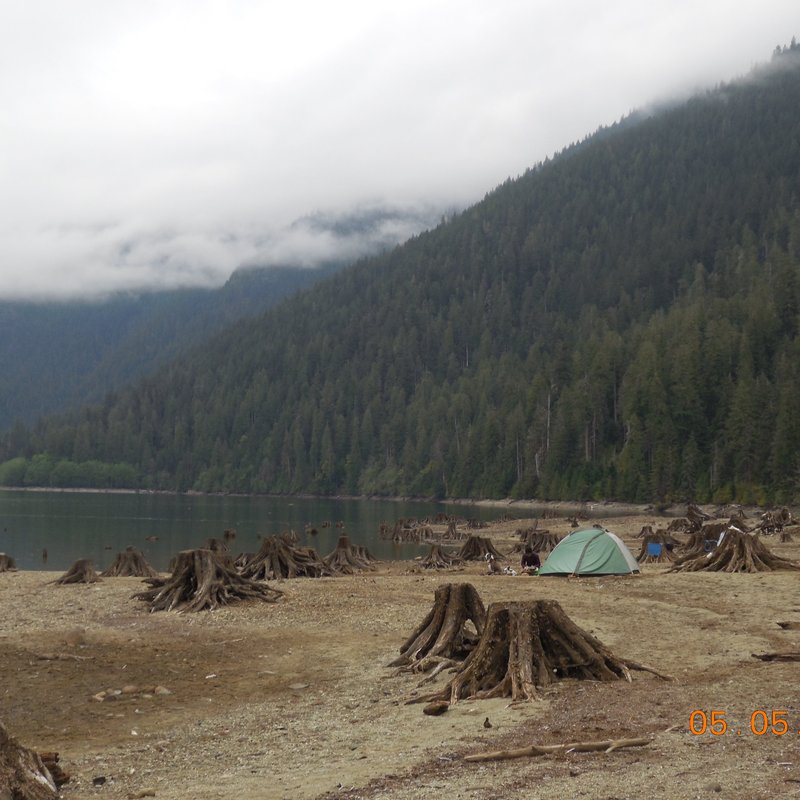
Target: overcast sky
[(147, 143)]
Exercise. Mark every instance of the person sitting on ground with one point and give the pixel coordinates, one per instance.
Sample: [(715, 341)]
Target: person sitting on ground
[(530, 561)]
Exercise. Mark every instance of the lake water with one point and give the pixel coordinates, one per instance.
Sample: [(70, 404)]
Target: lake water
[(73, 525)]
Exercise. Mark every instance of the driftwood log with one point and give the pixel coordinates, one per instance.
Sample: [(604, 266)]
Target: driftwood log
[(23, 775), (443, 634), (605, 746), (439, 558), (738, 552), (476, 548), (530, 644), (203, 580), (7, 563), (791, 655), (130, 563), (82, 571), (345, 559), (276, 558)]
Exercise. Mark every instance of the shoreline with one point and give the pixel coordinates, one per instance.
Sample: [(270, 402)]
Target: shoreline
[(561, 506), (587, 508)]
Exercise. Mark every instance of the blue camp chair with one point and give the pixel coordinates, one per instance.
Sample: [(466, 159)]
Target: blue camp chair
[(654, 549)]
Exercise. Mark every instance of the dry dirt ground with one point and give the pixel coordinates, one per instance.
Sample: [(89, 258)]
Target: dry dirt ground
[(293, 699)]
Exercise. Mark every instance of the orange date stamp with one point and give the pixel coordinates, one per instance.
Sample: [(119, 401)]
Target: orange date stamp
[(761, 723)]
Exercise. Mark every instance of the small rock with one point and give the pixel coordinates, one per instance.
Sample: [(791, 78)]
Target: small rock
[(130, 689), (99, 780), (75, 637), (162, 690), (100, 696), (436, 708), (298, 686)]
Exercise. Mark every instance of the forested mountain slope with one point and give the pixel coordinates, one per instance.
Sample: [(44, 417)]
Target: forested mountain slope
[(61, 354), (621, 321)]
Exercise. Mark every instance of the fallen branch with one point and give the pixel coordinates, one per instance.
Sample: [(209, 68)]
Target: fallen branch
[(790, 656), (606, 746)]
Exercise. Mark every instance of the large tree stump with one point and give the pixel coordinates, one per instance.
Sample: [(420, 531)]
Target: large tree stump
[(7, 563), (130, 563), (276, 558), (217, 545), (526, 645), (453, 533), (438, 558), (203, 580), (540, 541), (443, 633), (345, 560), (476, 548), (739, 552), (82, 571), (703, 538), (23, 775)]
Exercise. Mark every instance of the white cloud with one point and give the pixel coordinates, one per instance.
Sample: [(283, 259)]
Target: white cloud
[(165, 143)]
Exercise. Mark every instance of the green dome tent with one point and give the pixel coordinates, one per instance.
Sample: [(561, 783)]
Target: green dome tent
[(592, 551)]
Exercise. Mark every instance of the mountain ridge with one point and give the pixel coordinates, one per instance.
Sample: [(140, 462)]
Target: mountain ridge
[(618, 322)]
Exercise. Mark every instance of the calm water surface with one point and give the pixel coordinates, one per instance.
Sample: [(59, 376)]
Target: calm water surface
[(70, 526)]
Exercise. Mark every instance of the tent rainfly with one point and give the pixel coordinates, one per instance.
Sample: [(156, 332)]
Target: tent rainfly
[(592, 551)]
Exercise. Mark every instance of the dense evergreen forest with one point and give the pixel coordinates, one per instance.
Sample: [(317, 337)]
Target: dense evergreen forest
[(619, 322), (56, 355)]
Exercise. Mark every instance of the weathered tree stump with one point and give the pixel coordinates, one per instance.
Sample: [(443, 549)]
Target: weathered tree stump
[(703, 538), (242, 560), (345, 560), (662, 538), (443, 634), (678, 525), (526, 645), (540, 541), (406, 530), (739, 552), (476, 548), (362, 551), (696, 515), (7, 563), (82, 571), (23, 775), (216, 545), (130, 563), (438, 558), (276, 558), (228, 535), (203, 580), (289, 536), (453, 533)]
